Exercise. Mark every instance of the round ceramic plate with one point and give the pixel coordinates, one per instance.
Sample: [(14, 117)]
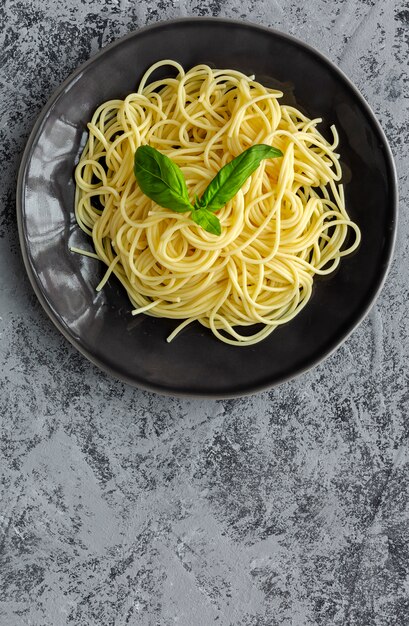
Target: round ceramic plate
[(100, 324)]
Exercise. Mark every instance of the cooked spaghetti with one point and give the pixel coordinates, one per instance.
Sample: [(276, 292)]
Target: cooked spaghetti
[(286, 224)]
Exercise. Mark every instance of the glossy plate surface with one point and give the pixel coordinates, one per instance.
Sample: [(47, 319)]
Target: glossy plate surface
[(100, 324)]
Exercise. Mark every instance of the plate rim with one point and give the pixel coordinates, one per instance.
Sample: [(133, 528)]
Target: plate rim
[(390, 236)]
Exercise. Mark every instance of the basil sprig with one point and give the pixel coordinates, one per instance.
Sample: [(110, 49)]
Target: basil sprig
[(163, 182)]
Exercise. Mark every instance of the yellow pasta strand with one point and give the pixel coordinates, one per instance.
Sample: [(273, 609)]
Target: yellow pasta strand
[(287, 223)]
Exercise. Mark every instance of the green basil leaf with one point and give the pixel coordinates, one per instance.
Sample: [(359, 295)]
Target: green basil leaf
[(232, 176), (207, 220), (161, 179)]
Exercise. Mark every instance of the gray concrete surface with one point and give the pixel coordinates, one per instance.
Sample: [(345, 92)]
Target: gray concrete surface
[(122, 507)]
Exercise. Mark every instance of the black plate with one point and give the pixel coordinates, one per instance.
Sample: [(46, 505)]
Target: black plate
[(100, 325)]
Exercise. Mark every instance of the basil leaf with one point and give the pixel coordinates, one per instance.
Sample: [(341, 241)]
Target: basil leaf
[(232, 176), (161, 179), (207, 220)]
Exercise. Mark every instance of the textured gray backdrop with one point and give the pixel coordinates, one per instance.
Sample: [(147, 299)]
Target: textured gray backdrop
[(123, 507)]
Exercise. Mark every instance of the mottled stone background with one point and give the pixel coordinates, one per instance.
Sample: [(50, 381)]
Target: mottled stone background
[(122, 507)]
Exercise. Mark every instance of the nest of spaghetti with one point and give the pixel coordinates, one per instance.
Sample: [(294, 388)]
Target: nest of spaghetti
[(287, 223)]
